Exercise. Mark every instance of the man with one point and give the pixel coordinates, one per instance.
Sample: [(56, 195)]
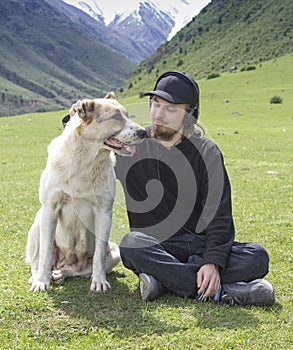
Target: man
[(178, 201)]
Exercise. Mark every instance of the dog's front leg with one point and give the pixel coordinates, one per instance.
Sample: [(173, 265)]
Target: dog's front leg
[(103, 222), (41, 282)]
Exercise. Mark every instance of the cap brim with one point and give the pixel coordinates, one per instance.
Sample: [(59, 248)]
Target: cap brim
[(165, 96)]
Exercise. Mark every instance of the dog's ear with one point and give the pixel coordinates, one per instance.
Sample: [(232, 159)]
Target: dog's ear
[(85, 110), (111, 94)]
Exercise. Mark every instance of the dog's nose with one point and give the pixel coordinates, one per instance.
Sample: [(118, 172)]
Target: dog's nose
[(141, 133)]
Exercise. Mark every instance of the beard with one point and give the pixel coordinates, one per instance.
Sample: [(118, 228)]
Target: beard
[(164, 133)]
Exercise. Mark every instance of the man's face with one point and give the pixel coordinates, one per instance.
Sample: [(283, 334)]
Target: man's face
[(167, 118)]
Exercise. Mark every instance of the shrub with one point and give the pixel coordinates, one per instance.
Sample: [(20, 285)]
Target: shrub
[(247, 68), (276, 99), (213, 75)]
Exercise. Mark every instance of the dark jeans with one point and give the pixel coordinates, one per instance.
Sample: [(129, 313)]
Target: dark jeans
[(175, 262)]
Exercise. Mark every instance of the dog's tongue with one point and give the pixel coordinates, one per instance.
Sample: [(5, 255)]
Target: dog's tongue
[(114, 143), (120, 148), (130, 150)]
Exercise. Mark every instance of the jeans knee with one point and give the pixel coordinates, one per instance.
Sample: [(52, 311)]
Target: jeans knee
[(132, 243), (127, 242), (262, 259), (127, 253), (132, 239)]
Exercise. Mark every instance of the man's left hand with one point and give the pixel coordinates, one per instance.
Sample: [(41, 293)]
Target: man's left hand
[(208, 280)]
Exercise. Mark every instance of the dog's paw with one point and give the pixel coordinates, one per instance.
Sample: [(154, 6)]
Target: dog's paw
[(57, 275), (39, 286), (100, 286)]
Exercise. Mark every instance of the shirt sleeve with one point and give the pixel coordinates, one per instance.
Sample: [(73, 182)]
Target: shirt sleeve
[(216, 219)]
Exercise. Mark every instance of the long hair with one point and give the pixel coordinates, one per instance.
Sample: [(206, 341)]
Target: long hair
[(191, 127)]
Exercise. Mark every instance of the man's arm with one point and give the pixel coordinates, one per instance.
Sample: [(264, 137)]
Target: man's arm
[(217, 217)]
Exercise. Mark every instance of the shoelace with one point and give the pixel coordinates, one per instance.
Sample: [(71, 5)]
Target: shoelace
[(227, 299)]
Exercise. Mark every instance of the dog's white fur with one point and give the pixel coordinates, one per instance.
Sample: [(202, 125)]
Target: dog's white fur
[(70, 233)]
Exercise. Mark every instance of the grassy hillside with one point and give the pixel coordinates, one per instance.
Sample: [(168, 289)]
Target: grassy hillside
[(257, 144), (51, 59), (225, 34), (47, 61)]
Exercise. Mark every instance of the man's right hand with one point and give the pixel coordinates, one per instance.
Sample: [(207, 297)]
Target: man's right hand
[(73, 108)]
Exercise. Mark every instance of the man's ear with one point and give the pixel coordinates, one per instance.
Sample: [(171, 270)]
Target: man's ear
[(85, 110), (111, 94)]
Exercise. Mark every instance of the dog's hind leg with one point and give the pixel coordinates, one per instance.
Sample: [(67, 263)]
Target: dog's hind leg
[(86, 269), (72, 271), (113, 256)]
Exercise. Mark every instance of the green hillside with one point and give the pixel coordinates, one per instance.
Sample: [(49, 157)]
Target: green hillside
[(47, 61), (226, 34)]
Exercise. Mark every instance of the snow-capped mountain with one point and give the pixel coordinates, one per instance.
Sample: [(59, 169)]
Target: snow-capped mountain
[(108, 11), (135, 28)]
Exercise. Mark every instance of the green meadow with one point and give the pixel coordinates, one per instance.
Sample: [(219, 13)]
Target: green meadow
[(256, 138)]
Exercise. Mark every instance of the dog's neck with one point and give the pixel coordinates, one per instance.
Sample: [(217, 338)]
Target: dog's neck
[(81, 154)]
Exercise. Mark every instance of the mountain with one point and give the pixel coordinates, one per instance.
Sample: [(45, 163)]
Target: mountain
[(144, 25), (225, 34), (95, 25), (47, 61)]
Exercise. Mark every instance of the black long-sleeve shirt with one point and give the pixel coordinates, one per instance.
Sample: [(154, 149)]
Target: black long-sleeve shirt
[(178, 190)]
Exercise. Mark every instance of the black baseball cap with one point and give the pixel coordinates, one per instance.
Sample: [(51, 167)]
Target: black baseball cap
[(176, 87)]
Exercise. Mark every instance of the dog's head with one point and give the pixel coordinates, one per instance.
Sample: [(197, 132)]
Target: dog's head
[(105, 120)]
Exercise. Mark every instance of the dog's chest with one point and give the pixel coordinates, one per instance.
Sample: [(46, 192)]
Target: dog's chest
[(94, 182)]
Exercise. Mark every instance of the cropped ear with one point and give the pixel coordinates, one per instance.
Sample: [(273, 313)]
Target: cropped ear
[(111, 94), (85, 110)]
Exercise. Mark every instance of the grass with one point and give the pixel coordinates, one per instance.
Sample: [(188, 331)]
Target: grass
[(257, 146)]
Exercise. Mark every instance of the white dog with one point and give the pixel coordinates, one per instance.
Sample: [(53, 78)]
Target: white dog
[(70, 234)]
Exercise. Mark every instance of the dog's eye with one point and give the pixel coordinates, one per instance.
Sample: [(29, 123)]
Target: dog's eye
[(117, 116)]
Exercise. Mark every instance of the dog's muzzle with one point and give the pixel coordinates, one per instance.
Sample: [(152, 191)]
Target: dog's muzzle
[(125, 148)]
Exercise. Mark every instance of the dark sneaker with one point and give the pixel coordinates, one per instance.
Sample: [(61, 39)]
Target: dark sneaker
[(150, 288), (257, 292)]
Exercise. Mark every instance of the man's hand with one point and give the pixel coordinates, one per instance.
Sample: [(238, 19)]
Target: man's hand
[(208, 280), (73, 108)]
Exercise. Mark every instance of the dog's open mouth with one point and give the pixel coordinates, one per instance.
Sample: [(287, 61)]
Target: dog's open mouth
[(119, 147)]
